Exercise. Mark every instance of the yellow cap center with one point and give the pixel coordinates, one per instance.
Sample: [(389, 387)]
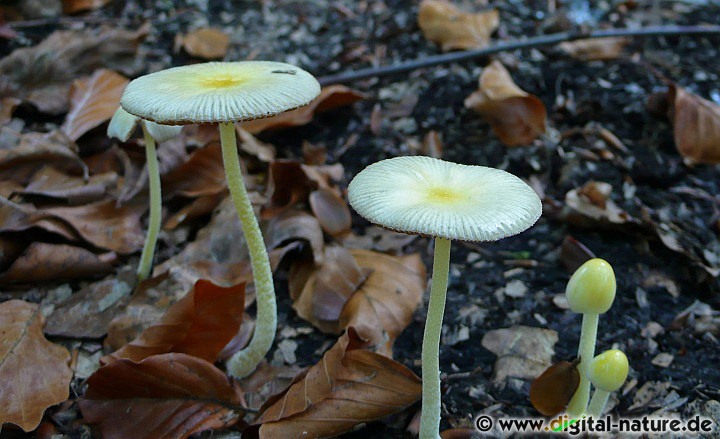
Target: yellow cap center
[(221, 81), (441, 195)]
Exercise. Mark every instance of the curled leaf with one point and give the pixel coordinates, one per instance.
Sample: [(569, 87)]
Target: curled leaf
[(443, 23), (696, 124), (207, 42), (331, 211), (516, 116), (553, 389), (349, 386)]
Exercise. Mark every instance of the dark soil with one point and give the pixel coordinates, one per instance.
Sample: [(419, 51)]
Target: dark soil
[(327, 37)]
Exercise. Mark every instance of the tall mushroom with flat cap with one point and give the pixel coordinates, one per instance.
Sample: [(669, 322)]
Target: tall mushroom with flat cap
[(432, 197), (121, 126), (225, 93)]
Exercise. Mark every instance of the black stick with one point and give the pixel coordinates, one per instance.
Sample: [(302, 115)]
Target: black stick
[(542, 40)]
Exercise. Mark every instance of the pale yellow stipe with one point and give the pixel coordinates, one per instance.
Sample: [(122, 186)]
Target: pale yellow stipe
[(146, 259), (245, 361)]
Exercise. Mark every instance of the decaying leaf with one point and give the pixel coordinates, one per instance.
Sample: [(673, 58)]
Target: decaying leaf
[(516, 116), (552, 391), (593, 201), (75, 6), (199, 324), (347, 387), (207, 42), (331, 97), (331, 211), (384, 305), (164, 396), (49, 183), (443, 23), (34, 373), (373, 292), (696, 125), (42, 74), (294, 225), (42, 262), (93, 101), (594, 49), (523, 352), (202, 174), (37, 150)]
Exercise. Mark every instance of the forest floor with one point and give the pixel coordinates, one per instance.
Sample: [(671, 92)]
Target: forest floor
[(659, 228)]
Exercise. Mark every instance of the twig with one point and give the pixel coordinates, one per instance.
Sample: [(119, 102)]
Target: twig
[(542, 40)]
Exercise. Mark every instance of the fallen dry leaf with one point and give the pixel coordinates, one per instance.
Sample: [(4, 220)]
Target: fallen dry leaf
[(93, 101), (75, 6), (385, 303), (515, 116), (331, 211), (523, 352), (104, 224), (36, 151), (443, 23), (164, 396), (349, 386), (207, 43), (42, 262), (595, 49), (331, 97), (551, 392), (34, 373), (696, 125), (294, 225), (202, 174), (592, 201), (42, 74), (49, 183), (200, 324)]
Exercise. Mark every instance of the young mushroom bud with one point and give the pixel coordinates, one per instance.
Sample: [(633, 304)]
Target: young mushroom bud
[(607, 372), (432, 197), (121, 126), (590, 292), (223, 93)]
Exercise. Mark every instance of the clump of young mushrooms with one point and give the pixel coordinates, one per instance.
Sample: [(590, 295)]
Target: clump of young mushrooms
[(432, 197), (223, 93), (121, 126)]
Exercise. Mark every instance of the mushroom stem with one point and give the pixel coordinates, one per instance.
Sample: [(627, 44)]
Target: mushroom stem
[(430, 417), (586, 352), (242, 363), (146, 259), (598, 402)]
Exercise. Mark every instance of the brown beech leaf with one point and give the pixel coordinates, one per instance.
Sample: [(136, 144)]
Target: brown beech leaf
[(331, 211), (696, 124), (592, 201), (349, 386), (42, 74), (104, 224), (324, 290), (443, 23), (37, 150), (595, 49), (293, 225), (42, 262), (202, 174), (93, 101), (553, 389), (516, 116), (34, 373), (199, 324), (75, 6), (74, 190), (331, 97), (207, 42), (164, 396), (384, 305)]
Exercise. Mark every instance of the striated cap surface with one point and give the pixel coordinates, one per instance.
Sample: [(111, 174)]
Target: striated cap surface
[(434, 197), (219, 92)]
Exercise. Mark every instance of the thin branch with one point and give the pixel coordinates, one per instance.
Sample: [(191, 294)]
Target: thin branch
[(542, 40)]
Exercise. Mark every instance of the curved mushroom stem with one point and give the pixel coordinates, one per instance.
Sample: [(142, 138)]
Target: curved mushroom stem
[(242, 363), (586, 352), (430, 417), (598, 402), (146, 260)]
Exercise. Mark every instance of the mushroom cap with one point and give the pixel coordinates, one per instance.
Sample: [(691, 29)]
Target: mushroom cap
[(122, 125), (219, 92), (433, 197), (609, 370), (591, 289)]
